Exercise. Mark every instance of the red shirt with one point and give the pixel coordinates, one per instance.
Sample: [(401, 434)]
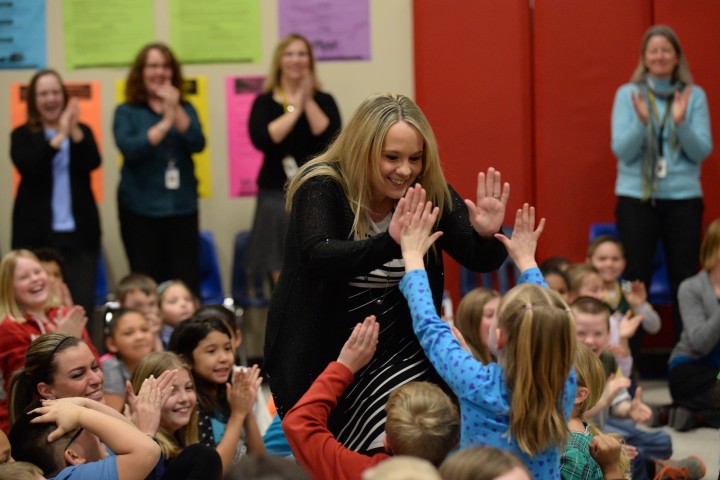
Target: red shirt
[(305, 427)]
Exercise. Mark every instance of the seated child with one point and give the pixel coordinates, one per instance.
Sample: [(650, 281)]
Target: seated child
[(483, 463), (421, 420), (20, 471), (533, 340), (578, 459), (585, 281), (557, 262), (61, 438), (617, 412), (266, 467), (402, 468), (475, 313), (605, 253), (139, 291), (52, 262), (558, 280), (177, 303), (129, 339)]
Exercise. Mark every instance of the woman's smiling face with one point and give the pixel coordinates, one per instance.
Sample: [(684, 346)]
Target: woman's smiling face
[(77, 375)]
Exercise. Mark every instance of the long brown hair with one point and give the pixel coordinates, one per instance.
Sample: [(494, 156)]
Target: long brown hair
[(539, 353), (469, 319), (33, 114), (135, 91)]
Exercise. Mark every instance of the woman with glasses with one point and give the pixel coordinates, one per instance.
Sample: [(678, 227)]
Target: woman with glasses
[(157, 132)]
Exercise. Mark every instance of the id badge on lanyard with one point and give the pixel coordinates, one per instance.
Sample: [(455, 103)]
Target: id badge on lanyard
[(172, 176), (661, 167)]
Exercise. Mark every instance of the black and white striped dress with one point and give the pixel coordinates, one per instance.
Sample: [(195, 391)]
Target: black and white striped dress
[(358, 422)]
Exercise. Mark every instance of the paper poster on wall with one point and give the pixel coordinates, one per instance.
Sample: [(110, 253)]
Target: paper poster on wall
[(217, 31), (337, 30), (244, 160), (88, 95), (196, 93), (105, 33), (22, 41)]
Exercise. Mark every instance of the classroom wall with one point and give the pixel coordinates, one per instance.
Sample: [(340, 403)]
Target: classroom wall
[(530, 91), (390, 69)]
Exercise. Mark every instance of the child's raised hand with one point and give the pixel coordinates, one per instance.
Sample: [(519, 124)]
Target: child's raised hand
[(613, 386), (416, 236), (242, 392), (360, 347), (639, 412), (73, 322), (144, 410), (637, 296), (629, 324), (523, 243), (64, 412), (408, 203)]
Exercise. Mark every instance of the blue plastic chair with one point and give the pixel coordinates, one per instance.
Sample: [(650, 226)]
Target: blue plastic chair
[(248, 287), (659, 292), (502, 280), (211, 288), (101, 283)]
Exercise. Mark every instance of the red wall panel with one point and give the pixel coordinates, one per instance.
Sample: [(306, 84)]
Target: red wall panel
[(583, 51), (696, 23), (472, 80)]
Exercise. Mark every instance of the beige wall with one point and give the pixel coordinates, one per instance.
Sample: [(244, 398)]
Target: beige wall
[(390, 69)]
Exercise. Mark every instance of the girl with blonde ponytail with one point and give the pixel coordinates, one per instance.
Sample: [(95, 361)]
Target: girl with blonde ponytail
[(522, 402)]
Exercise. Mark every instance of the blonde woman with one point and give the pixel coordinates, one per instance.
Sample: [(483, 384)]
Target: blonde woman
[(343, 260)]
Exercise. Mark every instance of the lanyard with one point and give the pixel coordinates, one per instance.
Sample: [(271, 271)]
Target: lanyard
[(286, 106), (661, 129)]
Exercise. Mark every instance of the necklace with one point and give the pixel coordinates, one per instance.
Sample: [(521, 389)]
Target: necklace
[(381, 299)]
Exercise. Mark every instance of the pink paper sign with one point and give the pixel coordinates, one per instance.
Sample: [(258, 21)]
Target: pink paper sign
[(244, 160)]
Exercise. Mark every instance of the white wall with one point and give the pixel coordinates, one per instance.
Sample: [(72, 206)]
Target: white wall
[(389, 70)]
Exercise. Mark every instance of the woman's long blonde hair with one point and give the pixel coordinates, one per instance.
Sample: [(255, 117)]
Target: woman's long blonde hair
[(353, 158), (155, 364), (539, 353), (273, 79), (9, 308)]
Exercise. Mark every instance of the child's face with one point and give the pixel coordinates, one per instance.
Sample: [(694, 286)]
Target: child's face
[(558, 283), (489, 315), (147, 304), (592, 330), (5, 451), (180, 404), (30, 284), (592, 286), (177, 305), (213, 358), (608, 261), (132, 339), (77, 375), (53, 271)]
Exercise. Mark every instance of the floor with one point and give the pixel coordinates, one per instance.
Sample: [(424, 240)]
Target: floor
[(703, 442)]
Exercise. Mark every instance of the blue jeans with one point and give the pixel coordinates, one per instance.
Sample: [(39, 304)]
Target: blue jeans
[(650, 445)]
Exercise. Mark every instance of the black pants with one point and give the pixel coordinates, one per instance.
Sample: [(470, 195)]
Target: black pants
[(80, 269), (678, 223), (694, 387), (164, 248), (195, 462)]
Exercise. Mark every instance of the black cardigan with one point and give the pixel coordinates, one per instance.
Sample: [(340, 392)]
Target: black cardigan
[(32, 155), (305, 330)]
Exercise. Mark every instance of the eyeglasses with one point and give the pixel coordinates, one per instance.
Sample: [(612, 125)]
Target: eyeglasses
[(74, 437)]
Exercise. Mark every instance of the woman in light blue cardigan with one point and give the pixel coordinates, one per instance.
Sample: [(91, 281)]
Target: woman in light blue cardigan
[(660, 136)]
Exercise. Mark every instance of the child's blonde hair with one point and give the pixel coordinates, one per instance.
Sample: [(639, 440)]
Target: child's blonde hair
[(155, 364), (469, 318), (577, 274), (422, 421), (591, 375), (402, 468), (19, 471), (480, 463), (9, 308), (538, 355)]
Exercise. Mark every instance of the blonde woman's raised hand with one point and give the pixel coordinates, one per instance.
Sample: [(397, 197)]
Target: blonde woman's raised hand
[(488, 212)]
